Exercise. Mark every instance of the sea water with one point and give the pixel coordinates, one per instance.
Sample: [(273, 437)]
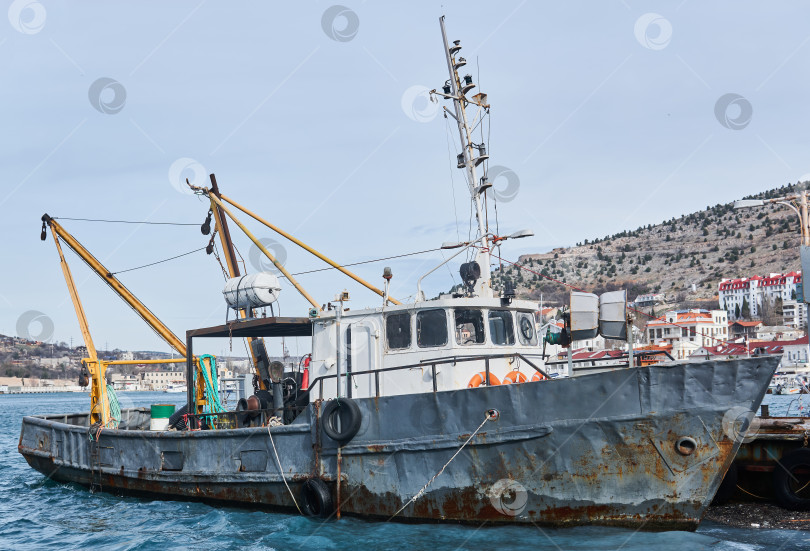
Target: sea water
[(36, 513)]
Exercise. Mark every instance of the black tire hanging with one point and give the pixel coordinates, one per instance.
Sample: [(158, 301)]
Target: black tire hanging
[(176, 421), (791, 476), (316, 500), (341, 420), (728, 486)]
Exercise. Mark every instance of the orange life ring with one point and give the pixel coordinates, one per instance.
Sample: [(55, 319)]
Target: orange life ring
[(514, 377), (538, 377), (478, 380)]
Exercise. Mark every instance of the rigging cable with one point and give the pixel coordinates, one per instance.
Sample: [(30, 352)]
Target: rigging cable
[(158, 262), (127, 221), (368, 261)]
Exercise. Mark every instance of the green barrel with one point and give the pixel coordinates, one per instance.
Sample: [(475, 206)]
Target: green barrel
[(162, 411)]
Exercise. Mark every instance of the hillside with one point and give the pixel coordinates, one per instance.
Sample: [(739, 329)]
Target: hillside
[(697, 249)]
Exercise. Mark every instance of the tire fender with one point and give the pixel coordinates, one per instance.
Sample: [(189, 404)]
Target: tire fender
[(341, 420), (784, 481), (316, 500)]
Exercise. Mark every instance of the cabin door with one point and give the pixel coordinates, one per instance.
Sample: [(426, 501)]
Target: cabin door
[(361, 343)]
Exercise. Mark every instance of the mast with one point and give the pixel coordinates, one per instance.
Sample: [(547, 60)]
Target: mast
[(468, 158)]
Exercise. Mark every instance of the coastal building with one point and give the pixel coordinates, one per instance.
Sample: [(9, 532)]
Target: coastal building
[(159, 380), (777, 333), (793, 352), (124, 382), (696, 327), (794, 313), (650, 299), (737, 294), (743, 329)]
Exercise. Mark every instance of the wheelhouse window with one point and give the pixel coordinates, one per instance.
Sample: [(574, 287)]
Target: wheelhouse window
[(398, 331), (431, 328), (526, 332), (501, 329), (469, 326)]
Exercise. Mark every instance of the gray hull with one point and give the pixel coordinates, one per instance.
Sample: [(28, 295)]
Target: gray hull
[(600, 449)]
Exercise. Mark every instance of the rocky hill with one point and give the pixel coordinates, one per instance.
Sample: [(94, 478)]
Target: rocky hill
[(684, 258)]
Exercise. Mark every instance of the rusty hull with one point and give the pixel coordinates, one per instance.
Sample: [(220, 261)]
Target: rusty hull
[(594, 449)]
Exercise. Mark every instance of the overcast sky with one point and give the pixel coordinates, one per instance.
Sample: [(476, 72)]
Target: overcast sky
[(611, 115)]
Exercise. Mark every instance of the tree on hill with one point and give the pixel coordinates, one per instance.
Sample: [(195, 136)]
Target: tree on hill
[(745, 311)]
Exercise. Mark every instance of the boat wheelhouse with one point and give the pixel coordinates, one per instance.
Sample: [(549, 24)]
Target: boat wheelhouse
[(477, 335)]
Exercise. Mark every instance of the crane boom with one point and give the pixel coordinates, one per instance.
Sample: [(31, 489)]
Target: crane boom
[(77, 303), (99, 411), (120, 289)]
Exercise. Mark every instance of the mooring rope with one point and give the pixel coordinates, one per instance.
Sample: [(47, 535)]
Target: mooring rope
[(281, 470), (490, 415)]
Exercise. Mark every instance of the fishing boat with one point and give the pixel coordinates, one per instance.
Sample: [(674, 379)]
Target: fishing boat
[(441, 409)]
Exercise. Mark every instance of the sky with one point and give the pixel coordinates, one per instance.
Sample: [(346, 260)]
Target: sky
[(605, 116)]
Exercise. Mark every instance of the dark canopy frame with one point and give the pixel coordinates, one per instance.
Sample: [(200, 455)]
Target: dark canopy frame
[(261, 327)]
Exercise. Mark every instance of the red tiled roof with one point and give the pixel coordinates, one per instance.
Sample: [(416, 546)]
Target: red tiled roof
[(739, 349), (777, 279), (686, 317), (597, 354)]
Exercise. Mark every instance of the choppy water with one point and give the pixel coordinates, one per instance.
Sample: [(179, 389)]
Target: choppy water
[(36, 513)]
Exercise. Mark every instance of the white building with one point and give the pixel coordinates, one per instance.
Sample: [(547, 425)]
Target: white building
[(124, 382), (778, 333), (795, 353), (158, 380), (649, 300), (794, 313), (699, 327), (733, 293)]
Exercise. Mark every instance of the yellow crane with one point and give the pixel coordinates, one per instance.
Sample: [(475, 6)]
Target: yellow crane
[(99, 402)]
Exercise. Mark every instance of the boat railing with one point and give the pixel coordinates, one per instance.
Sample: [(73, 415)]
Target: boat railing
[(236, 419), (432, 363)]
